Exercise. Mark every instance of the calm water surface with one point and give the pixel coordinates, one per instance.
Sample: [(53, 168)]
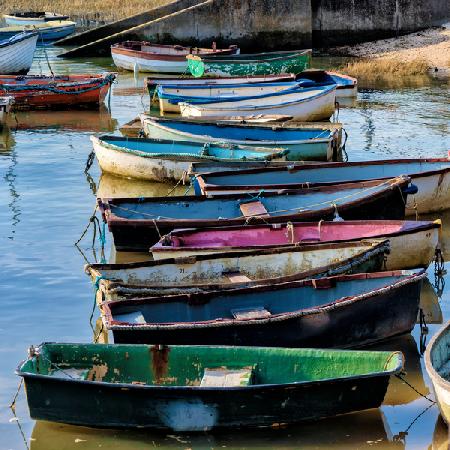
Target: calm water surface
[(46, 202)]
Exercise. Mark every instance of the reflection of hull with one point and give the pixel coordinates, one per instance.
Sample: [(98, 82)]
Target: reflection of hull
[(340, 433), (398, 392), (440, 435), (88, 120), (429, 304), (111, 186)]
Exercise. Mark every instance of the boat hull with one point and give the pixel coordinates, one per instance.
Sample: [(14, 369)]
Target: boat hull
[(42, 93), (140, 235), (17, 57), (345, 323), (408, 249), (317, 149), (316, 108), (436, 364)]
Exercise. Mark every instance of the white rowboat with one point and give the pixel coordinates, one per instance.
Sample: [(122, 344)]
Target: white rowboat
[(16, 53)]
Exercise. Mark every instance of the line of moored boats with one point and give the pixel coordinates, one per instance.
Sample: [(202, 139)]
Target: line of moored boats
[(264, 280)]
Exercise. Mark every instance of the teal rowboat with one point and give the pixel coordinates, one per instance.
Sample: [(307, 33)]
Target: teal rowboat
[(304, 142), (185, 388), (271, 63)]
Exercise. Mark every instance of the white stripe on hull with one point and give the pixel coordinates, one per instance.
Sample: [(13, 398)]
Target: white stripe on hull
[(148, 65), (17, 57), (407, 251)]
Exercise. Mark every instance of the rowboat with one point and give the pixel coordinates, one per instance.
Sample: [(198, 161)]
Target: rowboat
[(270, 63), (160, 160), (138, 223), (31, 17), (306, 105), (57, 92), (437, 365), (16, 53), (346, 86), (5, 108), (189, 80), (48, 31), (149, 57), (342, 311), (185, 388), (231, 270), (412, 243), (304, 142), (170, 96), (431, 176)]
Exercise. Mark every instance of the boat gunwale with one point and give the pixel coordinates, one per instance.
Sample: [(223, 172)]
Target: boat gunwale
[(410, 277), (113, 219), (257, 58), (424, 225), (274, 386), (17, 38)]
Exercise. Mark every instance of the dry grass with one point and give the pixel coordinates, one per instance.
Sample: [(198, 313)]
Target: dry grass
[(379, 68), (83, 10)]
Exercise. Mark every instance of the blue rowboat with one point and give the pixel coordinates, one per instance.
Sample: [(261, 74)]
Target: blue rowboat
[(48, 31), (342, 311), (318, 143), (159, 160), (138, 223), (170, 95), (431, 176)]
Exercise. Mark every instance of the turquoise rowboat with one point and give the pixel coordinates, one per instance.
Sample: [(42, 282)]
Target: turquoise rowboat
[(161, 160), (186, 388), (271, 63), (305, 142)]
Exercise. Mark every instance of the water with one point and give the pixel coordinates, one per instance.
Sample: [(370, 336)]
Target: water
[(46, 201)]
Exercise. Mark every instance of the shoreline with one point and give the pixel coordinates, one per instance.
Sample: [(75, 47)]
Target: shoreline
[(428, 50)]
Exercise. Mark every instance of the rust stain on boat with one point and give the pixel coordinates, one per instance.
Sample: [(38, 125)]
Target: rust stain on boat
[(160, 362)]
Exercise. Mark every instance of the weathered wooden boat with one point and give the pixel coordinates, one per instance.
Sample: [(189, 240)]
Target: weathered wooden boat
[(431, 176), (303, 142), (138, 223), (343, 311), (306, 105), (184, 388), (170, 96), (31, 17), (57, 92), (16, 53), (231, 270), (270, 63), (149, 57), (48, 31), (5, 108), (412, 243), (437, 364), (158, 159)]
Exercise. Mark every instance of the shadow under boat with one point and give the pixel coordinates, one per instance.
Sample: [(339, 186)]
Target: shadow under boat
[(356, 430)]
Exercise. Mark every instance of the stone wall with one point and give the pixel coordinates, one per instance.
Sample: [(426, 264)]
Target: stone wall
[(344, 22)]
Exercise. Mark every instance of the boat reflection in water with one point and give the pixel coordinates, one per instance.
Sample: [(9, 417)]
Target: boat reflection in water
[(357, 430), (111, 186), (429, 304), (85, 120), (7, 140), (441, 439)]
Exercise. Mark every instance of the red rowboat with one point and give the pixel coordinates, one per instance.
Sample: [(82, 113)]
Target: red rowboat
[(412, 243), (56, 92)]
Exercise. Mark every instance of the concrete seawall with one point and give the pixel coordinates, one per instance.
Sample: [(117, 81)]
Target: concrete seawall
[(257, 25)]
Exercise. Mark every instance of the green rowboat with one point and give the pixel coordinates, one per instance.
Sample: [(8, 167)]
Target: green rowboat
[(184, 388), (274, 63)]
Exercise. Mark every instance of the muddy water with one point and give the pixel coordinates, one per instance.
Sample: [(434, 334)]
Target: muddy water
[(46, 202)]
